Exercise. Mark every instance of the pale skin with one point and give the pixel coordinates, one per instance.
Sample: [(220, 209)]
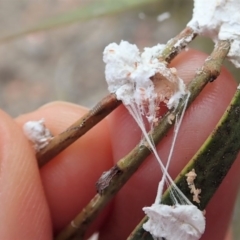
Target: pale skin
[(35, 204)]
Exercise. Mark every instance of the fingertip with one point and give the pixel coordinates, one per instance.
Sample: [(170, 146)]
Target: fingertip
[(229, 235), (187, 63), (59, 104), (71, 176), (25, 213)]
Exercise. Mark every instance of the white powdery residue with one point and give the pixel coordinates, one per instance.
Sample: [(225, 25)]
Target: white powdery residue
[(174, 100), (219, 20), (183, 42), (128, 75), (174, 222), (163, 16), (37, 133), (121, 60), (150, 55)]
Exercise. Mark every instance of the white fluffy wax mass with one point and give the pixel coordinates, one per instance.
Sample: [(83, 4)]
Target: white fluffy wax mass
[(37, 133), (121, 60), (128, 74), (219, 20), (183, 222)]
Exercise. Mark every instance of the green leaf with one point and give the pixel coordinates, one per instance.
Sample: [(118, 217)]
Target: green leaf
[(89, 11)]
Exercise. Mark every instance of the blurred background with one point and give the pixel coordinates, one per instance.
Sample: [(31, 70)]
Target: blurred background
[(52, 49)]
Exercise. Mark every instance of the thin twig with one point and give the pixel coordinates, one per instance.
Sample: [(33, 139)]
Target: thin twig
[(105, 106), (79, 128), (175, 45), (112, 181)]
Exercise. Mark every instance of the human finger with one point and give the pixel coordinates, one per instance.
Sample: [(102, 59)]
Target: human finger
[(24, 211), (69, 179)]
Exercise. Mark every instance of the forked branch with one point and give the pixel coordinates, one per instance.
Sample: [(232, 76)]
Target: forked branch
[(112, 181)]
